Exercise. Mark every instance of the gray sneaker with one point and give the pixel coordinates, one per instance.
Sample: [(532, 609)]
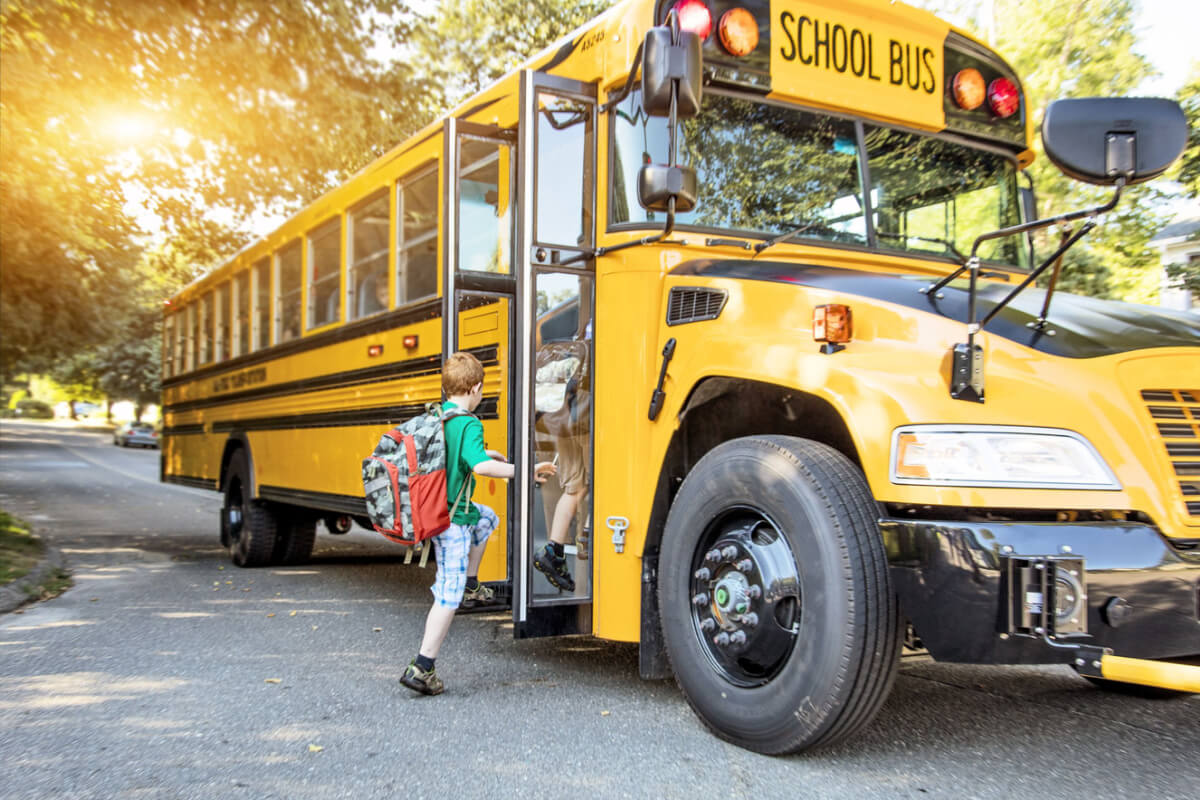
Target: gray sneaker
[(555, 569), (479, 596), (421, 681)]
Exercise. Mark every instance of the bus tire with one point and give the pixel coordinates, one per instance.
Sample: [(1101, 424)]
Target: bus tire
[(297, 531), (248, 526), (791, 639)]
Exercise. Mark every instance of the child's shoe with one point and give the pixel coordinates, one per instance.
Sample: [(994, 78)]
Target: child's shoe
[(421, 681), (554, 568), (479, 596)]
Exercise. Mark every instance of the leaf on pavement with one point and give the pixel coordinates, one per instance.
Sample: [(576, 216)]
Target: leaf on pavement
[(272, 680), (315, 748)]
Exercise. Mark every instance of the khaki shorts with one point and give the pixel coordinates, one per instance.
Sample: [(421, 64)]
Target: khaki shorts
[(573, 458)]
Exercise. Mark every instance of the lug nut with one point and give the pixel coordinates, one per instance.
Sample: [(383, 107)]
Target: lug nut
[(707, 624), (729, 552), (713, 555), (750, 620), (721, 639), (754, 591), (745, 565), (738, 638), (700, 600), (702, 574)]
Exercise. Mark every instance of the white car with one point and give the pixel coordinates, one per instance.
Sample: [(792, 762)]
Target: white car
[(142, 434)]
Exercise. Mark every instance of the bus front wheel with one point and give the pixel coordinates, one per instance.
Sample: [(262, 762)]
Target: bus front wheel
[(776, 604), (248, 526)]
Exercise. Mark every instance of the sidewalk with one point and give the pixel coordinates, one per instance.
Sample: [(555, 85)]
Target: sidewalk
[(28, 587)]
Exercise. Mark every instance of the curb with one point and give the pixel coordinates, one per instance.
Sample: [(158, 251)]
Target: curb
[(16, 594)]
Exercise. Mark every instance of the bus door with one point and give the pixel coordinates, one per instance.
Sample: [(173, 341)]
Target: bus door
[(555, 364), (479, 284)]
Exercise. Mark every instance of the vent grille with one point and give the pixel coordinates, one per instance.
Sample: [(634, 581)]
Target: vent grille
[(1176, 414), (691, 304)]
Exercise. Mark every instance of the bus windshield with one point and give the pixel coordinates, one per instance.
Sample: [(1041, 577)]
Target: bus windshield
[(766, 170)]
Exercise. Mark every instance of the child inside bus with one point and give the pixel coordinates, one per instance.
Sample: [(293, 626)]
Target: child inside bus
[(459, 549)]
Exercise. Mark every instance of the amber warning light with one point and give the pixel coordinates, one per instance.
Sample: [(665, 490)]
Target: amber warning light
[(834, 325), (739, 31), (968, 89)]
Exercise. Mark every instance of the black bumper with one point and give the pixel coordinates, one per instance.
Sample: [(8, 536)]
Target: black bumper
[(950, 577)]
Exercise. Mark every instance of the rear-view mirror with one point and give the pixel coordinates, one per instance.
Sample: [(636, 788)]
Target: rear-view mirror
[(666, 63), (1100, 140), (658, 183)]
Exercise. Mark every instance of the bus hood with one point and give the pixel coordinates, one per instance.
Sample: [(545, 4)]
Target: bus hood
[(1083, 327)]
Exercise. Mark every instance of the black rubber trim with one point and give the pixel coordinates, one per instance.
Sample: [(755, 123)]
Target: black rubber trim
[(182, 430), (325, 501), (384, 415), (189, 481)]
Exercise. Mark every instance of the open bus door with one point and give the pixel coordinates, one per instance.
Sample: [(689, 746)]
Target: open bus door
[(555, 302), (479, 280)]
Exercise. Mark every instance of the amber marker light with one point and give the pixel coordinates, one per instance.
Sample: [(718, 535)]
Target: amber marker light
[(1003, 97), (910, 462), (410, 341), (694, 17), (968, 89), (833, 323), (738, 31)]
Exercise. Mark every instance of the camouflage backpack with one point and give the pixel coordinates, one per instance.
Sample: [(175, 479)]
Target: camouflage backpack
[(404, 478)]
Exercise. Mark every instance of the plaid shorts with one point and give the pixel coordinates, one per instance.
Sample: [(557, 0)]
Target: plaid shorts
[(452, 548)]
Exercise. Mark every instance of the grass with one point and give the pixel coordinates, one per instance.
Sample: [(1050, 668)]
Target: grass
[(20, 551)]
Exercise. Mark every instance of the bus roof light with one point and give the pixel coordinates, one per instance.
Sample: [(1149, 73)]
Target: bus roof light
[(738, 30), (1003, 97), (968, 89), (694, 17)]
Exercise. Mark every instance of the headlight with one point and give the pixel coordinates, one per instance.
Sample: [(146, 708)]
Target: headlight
[(994, 455)]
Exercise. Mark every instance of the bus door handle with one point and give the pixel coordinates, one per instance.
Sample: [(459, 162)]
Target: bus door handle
[(656, 399)]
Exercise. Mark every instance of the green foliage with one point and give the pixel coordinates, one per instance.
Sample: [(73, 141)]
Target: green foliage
[(468, 44), (235, 105), (1077, 48), (1189, 98)]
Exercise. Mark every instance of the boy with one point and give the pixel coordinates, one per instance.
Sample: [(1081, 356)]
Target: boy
[(459, 549)]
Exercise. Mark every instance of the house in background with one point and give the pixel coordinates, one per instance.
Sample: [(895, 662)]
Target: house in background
[(1179, 243)]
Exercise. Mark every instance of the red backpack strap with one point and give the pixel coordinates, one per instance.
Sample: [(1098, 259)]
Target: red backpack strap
[(395, 435)]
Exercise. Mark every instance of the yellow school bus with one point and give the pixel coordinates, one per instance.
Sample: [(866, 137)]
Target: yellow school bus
[(757, 276)]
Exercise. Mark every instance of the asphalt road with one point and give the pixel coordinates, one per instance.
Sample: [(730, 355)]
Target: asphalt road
[(168, 673)]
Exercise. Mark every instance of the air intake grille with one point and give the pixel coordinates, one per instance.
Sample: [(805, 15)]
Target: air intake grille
[(690, 304), (1176, 415)]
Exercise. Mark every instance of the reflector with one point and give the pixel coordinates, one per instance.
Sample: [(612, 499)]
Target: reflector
[(968, 89), (695, 17), (1003, 97), (738, 31)]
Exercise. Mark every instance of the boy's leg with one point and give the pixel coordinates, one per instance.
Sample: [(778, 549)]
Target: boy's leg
[(476, 593), (452, 551)]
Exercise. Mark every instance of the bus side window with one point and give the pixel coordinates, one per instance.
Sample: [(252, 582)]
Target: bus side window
[(241, 316), (169, 346), (416, 245), (324, 274), (287, 318), (206, 329), (191, 329), (262, 304), (484, 206), (221, 338), (368, 240)]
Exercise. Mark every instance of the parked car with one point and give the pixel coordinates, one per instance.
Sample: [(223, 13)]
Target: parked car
[(33, 409), (142, 434)]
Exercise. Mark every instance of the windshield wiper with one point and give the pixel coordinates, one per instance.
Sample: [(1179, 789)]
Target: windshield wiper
[(783, 237), (944, 243)]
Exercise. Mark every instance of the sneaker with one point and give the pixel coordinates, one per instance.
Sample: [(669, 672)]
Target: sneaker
[(481, 595), (554, 568), (421, 681)]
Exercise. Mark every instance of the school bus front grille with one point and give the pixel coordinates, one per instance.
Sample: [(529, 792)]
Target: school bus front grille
[(1176, 415)]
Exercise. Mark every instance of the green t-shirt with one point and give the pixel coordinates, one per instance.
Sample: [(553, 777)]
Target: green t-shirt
[(464, 451)]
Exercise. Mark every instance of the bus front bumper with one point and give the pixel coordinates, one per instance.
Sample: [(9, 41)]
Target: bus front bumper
[(1116, 593)]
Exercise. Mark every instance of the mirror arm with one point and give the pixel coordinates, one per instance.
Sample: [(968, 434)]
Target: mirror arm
[(1026, 227)]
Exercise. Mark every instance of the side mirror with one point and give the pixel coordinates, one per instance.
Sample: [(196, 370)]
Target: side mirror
[(1100, 140), (658, 183), (667, 64)]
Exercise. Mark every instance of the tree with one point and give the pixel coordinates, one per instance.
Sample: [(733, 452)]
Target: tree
[(1189, 98), (468, 44), (231, 104)]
